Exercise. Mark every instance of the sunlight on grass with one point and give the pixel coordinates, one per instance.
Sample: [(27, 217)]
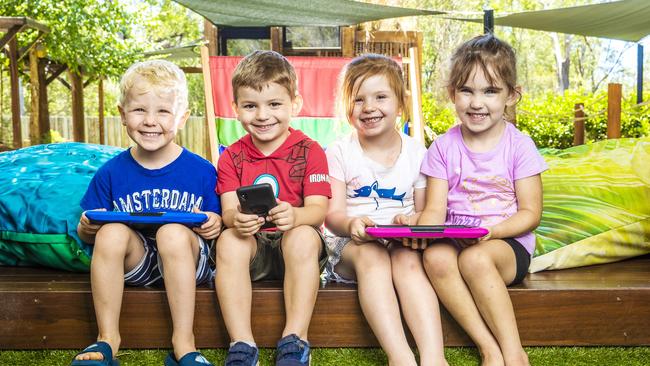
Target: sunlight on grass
[(456, 356)]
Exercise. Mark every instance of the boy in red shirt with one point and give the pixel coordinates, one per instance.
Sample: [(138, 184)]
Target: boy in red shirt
[(265, 99)]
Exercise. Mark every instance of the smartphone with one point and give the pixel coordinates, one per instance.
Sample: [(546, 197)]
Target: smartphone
[(257, 199)]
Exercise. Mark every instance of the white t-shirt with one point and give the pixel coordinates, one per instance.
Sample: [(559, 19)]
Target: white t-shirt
[(372, 189)]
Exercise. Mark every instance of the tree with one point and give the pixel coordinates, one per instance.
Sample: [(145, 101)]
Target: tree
[(88, 37), (92, 36)]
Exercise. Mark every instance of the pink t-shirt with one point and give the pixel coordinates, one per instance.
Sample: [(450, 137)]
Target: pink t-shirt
[(481, 185)]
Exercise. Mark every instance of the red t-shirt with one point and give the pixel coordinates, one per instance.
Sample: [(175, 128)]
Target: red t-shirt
[(298, 168)]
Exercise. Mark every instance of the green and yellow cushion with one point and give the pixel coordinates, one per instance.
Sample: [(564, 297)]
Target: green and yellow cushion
[(596, 204)]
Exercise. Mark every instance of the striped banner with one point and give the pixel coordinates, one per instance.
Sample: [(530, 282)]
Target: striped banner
[(317, 84)]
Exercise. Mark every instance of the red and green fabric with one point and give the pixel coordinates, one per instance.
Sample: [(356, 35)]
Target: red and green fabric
[(317, 84)]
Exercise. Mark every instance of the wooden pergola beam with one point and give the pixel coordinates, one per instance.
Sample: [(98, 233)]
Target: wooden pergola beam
[(9, 22), (11, 26)]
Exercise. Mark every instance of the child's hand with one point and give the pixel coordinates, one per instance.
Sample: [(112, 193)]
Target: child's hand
[(487, 236), (358, 229), (464, 243), (85, 227), (211, 228), (247, 224), (282, 215), (401, 219), (413, 243)]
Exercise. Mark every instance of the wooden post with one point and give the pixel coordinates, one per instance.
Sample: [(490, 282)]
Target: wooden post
[(210, 33), (210, 119), (614, 95), (347, 41), (277, 40), (44, 111), (34, 131), (100, 106), (78, 123), (15, 102), (417, 127), (578, 124)]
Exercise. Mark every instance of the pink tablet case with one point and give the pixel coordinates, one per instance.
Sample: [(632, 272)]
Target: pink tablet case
[(426, 231)]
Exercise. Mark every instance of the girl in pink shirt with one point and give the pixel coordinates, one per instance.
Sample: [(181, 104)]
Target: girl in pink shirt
[(483, 172)]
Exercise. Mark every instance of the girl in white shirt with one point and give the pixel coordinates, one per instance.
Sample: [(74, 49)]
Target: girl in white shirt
[(375, 178)]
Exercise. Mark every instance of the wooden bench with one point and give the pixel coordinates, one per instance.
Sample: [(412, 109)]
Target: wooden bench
[(598, 305)]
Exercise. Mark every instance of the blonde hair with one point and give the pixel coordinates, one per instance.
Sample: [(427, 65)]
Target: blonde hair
[(260, 68), (495, 57), (160, 75), (360, 69)]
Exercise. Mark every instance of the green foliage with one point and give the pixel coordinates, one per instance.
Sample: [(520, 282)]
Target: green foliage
[(438, 117), (548, 118), (92, 35)]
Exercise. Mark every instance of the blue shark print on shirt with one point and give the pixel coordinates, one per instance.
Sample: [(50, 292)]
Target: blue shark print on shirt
[(366, 191)]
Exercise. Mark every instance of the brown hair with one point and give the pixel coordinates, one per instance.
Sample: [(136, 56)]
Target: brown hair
[(363, 67), (261, 68), (495, 57)]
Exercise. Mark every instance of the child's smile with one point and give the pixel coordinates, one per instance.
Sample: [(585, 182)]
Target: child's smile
[(481, 105), (376, 107), (266, 114)]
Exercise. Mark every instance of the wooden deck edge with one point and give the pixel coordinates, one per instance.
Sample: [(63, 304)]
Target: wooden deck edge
[(51, 319)]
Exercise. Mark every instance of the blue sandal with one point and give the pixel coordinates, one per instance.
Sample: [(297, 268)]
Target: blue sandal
[(190, 359), (100, 347)]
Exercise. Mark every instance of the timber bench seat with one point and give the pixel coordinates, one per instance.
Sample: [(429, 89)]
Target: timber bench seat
[(598, 305)]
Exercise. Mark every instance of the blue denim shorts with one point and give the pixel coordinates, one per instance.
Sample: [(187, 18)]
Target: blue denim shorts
[(149, 271)]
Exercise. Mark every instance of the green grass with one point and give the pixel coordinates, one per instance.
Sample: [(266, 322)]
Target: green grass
[(456, 356)]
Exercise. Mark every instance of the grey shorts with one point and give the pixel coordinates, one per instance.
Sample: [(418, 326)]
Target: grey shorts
[(335, 245), (268, 263), (149, 271)]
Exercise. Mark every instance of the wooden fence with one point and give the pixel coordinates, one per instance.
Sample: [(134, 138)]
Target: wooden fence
[(614, 96)]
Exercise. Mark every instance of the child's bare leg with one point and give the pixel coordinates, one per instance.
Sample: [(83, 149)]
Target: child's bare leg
[(233, 283), (301, 247), (117, 250), (370, 264), (419, 304), (178, 248), (441, 264), (486, 268)]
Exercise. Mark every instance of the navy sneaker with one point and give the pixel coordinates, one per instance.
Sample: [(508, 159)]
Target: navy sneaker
[(292, 351), (189, 359), (242, 354)]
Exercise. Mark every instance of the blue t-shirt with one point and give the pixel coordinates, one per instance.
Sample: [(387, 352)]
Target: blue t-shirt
[(122, 184)]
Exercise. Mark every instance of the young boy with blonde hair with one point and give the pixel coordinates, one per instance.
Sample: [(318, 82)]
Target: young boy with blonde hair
[(265, 99), (154, 175)]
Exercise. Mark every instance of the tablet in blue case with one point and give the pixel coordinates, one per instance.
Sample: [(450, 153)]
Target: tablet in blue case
[(147, 218)]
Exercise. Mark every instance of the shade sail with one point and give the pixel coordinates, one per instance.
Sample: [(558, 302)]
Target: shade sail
[(627, 20), (265, 13)]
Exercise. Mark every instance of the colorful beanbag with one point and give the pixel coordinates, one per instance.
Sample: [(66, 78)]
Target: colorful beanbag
[(596, 204), (40, 190)]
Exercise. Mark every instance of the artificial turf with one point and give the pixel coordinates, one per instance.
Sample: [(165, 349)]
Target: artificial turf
[(456, 356)]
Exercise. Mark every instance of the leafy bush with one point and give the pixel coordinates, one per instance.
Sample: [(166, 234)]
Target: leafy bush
[(548, 118)]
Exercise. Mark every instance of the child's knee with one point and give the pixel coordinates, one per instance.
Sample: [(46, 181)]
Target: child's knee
[(439, 264), (473, 261), (372, 256), (176, 240), (113, 238), (230, 246), (302, 243), (405, 260)]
